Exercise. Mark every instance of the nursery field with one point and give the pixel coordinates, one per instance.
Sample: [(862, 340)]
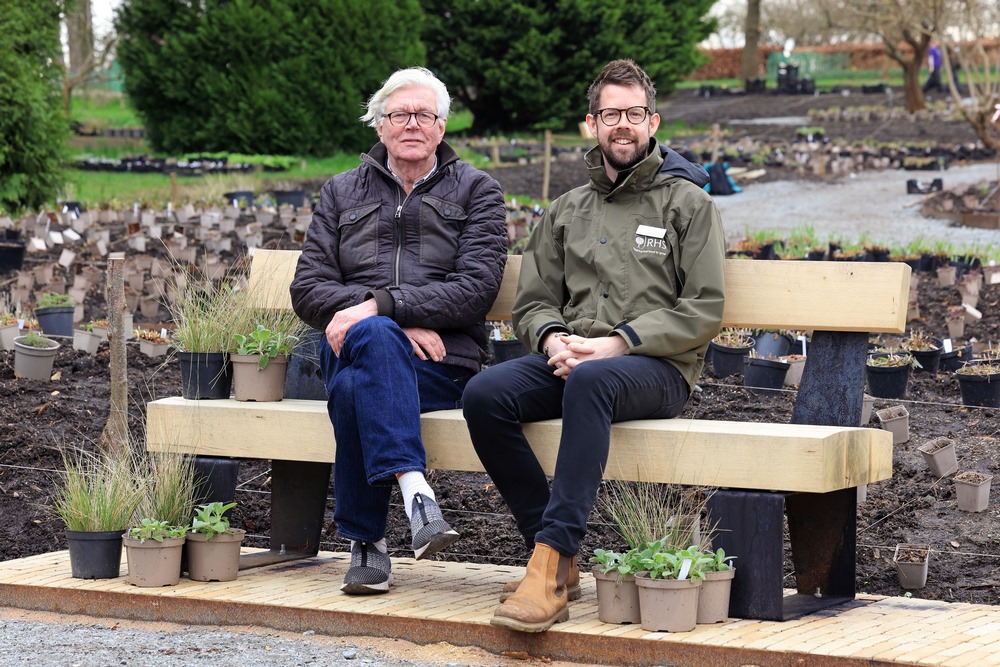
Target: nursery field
[(38, 418)]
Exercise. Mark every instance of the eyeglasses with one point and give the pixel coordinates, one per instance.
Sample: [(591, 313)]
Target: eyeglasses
[(635, 115), (402, 118)]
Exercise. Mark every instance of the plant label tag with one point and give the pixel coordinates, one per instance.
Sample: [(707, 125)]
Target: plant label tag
[(496, 333), (972, 311), (802, 339), (38, 244), (20, 324), (163, 332), (946, 343), (685, 568)]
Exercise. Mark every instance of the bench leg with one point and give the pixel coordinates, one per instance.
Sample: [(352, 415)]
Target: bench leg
[(822, 529), (299, 491), (749, 526)]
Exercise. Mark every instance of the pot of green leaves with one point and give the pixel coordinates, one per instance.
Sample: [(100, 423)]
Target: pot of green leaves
[(617, 593), (669, 583), (713, 599), (925, 349), (85, 340), (213, 546), (888, 373), (34, 355), (54, 312), (260, 362), (9, 330), (96, 501), (153, 550)]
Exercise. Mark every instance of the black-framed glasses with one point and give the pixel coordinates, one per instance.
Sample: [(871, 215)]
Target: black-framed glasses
[(402, 118), (635, 115)]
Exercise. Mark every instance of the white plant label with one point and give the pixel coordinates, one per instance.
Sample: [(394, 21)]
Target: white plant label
[(947, 345), (496, 333), (802, 339), (685, 568), (163, 333)]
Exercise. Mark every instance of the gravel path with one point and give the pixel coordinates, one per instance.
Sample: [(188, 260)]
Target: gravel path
[(873, 203), (54, 640)]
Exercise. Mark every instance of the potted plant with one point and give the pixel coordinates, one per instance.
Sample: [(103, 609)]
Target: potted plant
[(911, 561), (617, 593), (205, 314), (504, 344), (954, 318), (153, 552), (972, 491), (772, 343), (979, 383), (896, 420), (34, 354), (764, 377), (888, 374), (925, 349), (728, 350), (213, 546), (796, 365), (151, 343), (54, 312), (85, 340), (260, 361), (669, 581), (940, 456), (96, 501), (713, 599), (9, 329)]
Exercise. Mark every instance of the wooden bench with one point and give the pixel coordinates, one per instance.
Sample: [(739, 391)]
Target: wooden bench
[(809, 468)]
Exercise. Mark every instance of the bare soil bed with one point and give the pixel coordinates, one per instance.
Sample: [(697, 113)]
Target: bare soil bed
[(40, 417)]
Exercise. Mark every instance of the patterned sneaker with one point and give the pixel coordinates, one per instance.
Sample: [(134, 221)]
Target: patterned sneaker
[(431, 533), (370, 571)]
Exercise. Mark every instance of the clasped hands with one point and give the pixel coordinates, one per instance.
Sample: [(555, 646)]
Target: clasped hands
[(427, 344), (567, 351)]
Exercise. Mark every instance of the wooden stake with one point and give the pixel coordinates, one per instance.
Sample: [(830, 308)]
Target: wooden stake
[(547, 169), (173, 187), (114, 437)]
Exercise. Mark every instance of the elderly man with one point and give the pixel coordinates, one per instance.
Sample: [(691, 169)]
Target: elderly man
[(401, 263), (620, 292)]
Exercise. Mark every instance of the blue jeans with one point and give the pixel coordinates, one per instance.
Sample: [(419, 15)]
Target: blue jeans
[(377, 389), (595, 395)]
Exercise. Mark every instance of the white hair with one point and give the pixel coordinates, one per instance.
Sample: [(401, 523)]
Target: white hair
[(413, 77)]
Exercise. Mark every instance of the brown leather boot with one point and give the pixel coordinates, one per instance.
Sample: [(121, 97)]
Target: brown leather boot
[(541, 599), (572, 584)]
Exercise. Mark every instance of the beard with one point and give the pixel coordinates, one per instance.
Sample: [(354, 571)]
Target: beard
[(623, 158)]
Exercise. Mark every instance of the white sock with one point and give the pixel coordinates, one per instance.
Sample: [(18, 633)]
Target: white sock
[(380, 545), (412, 483)]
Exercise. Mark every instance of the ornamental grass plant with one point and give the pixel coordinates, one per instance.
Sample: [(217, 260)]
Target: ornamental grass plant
[(205, 312), (645, 512), (100, 491)]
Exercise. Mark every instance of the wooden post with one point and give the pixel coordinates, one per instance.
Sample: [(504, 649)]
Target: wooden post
[(173, 187), (547, 168), (495, 145), (114, 437)]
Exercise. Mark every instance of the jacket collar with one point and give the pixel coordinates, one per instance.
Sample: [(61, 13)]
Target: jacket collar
[(640, 177), (378, 154)]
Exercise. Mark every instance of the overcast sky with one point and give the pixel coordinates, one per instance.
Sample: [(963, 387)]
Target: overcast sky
[(103, 14)]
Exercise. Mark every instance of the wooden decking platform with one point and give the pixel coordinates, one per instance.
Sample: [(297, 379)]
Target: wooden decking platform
[(452, 602)]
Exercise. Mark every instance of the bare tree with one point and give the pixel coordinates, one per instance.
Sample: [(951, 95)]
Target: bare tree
[(965, 48), (751, 53), (85, 57)]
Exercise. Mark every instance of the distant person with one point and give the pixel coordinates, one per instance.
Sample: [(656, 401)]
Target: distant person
[(401, 263), (621, 289), (934, 62)]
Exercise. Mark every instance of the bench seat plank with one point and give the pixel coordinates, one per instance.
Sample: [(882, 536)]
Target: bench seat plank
[(806, 458)]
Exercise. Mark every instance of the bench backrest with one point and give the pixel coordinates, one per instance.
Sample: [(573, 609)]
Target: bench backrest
[(765, 294)]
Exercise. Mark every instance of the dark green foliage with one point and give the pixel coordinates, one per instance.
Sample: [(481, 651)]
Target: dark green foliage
[(262, 76), (33, 126), (527, 65)]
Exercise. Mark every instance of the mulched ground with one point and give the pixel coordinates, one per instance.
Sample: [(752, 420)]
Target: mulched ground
[(40, 417)]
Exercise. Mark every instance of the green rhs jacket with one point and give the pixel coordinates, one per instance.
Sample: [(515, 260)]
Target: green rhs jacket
[(642, 259)]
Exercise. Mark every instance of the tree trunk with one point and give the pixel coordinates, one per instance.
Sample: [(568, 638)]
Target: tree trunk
[(911, 86), (80, 37), (750, 68), (115, 435)]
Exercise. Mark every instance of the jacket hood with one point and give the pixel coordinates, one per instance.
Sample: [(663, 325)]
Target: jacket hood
[(676, 164)]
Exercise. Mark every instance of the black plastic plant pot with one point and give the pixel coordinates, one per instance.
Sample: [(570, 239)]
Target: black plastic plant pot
[(771, 345), (95, 555), (243, 198), (294, 198), (56, 321), (727, 361), (11, 254), (958, 357), (764, 377), (929, 360), (215, 479), (205, 375), (888, 381), (982, 391), (505, 350)]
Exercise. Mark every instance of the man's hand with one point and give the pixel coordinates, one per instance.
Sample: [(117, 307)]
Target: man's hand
[(567, 352), (343, 320), (426, 343)]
